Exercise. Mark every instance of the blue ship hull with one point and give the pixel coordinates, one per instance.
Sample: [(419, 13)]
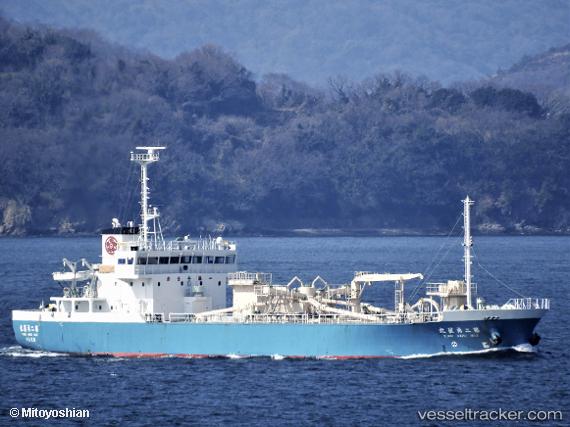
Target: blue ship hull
[(267, 339)]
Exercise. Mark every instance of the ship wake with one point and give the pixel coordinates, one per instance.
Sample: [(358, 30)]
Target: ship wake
[(522, 348), (17, 351)]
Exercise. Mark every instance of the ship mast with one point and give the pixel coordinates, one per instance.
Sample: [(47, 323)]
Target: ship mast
[(144, 159), (467, 243)]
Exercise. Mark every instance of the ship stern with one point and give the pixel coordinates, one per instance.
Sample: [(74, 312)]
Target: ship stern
[(27, 328)]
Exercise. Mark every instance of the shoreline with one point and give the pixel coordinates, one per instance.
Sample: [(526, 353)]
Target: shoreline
[(313, 232)]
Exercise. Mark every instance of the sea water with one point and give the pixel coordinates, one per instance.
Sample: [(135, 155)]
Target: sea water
[(280, 391)]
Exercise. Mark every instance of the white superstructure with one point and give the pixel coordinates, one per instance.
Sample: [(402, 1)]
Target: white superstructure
[(141, 275)]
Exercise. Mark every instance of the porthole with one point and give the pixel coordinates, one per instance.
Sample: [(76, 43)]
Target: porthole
[(158, 283), (168, 279), (219, 283), (100, 307), (142, 284), (200, 283), (76, 307), (181, 283)]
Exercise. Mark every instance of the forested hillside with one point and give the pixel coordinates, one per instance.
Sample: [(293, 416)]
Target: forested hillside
[(274, 154), (311, 40), (547, 75)]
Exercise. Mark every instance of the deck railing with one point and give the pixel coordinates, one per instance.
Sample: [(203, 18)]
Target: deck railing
[(527, 304), (201, 244), (256, 277), (304, 318), (446, 288)]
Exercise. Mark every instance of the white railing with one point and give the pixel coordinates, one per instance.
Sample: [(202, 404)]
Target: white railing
[(304, 318), (181, 317), (144, 157), (445, 288), (527, 304), (436, 288), (202, 244), (256, 277), (173, 269)]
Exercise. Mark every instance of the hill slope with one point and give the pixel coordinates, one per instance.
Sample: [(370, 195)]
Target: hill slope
[(389, 152), (547, 75), (312, 40)]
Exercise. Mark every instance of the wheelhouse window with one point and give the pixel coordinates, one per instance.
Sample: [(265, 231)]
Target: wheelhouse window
[(121, 261), (141, 261), (130, 261), (186, 259), (230, 259), (209, 260), (196, 260), (174, 260), (152, 260), (220, 260), (164, 260)]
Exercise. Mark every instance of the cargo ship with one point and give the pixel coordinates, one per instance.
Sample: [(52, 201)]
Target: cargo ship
[(149, 297)]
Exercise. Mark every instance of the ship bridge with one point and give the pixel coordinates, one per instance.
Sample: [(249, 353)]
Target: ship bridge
[(141, 273)]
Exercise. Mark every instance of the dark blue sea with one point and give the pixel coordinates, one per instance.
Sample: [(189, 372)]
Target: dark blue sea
[(259, 391)]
